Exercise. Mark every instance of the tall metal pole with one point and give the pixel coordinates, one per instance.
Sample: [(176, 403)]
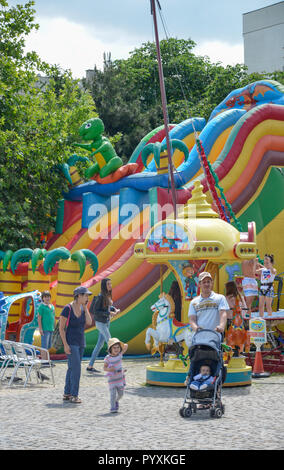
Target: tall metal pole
[(164, 104)]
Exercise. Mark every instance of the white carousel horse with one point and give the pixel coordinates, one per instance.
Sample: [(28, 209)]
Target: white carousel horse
[(167, 329)]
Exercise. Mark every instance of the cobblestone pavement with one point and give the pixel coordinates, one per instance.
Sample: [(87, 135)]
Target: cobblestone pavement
[(36, 417)]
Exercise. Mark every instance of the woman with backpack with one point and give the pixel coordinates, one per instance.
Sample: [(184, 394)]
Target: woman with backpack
[(103, 311), (72, 322)]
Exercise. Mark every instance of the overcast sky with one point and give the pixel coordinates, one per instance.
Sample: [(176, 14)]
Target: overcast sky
[(75, 33)]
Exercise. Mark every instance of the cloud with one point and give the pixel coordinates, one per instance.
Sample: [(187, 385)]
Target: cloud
[(220, 51), (76, 47)]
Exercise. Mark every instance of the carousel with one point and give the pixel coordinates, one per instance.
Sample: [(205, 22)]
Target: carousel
[(196, 240)]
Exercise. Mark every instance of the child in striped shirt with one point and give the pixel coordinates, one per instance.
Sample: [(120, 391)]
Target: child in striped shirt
[(114, 370)]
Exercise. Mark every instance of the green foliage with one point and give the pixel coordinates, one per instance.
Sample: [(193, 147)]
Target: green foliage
[(127, 92), (38, 124)]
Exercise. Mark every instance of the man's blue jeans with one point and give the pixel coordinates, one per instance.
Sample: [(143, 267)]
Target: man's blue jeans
[(73, 374), (104, 336)]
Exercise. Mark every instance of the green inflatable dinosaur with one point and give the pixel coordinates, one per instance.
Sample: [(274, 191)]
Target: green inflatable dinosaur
[(100, 148)]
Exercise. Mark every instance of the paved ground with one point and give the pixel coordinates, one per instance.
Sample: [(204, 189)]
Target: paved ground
[(36, 417)]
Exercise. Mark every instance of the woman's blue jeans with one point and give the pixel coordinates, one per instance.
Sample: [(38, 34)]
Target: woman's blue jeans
[(104, 336), (73, 374)]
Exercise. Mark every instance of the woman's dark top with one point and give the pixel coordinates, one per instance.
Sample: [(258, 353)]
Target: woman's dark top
[(100, 312), (76, 326)]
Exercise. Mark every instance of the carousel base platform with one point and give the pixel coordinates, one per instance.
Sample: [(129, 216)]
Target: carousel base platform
[(173, 373), (238, 373)]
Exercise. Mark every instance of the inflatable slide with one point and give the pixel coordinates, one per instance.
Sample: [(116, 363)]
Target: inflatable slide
[(244, 142)]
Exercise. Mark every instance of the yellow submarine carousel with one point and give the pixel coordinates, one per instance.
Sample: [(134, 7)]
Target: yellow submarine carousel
[(197, 240)]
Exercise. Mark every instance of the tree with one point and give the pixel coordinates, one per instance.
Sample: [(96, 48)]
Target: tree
[(37, 127), (127, 93)]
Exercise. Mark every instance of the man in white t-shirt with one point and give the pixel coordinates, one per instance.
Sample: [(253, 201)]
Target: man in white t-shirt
[(208, 310)]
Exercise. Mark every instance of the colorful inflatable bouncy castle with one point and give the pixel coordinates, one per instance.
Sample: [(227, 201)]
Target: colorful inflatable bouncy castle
[(243, 142)]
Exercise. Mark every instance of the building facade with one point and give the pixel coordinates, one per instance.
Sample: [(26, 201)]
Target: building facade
[(263, 33)]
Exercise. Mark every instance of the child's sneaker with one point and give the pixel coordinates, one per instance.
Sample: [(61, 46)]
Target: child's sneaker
[(113, 410), (203, 387), (193, 387)]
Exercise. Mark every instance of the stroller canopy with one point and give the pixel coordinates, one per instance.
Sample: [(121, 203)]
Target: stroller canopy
[(207, 338), (206, 349)]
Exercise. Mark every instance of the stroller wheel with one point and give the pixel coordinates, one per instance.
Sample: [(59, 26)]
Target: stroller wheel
[(187, 412), (223, 408), (181, 412), (218, 413)]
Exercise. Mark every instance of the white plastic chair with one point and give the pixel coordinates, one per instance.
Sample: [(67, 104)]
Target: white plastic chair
[(27, 358), (23, 360), (3, 358), (8, 356), (43, 362)]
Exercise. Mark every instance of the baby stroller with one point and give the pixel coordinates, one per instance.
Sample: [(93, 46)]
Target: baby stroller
[(206, 349)]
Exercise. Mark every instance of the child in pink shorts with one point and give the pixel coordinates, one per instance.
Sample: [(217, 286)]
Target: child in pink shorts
[(115, 373)]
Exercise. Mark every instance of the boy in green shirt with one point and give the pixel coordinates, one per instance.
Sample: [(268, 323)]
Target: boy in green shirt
[(46, 320)]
